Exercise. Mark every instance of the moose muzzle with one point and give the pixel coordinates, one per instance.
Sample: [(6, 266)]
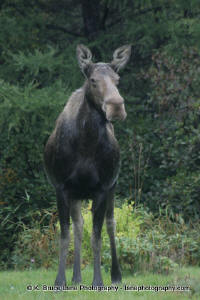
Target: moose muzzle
[(115, 109)]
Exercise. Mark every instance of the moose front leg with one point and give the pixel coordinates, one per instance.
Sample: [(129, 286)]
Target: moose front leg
[(63, 205), (116, 276), (78, 231), (98, 213)]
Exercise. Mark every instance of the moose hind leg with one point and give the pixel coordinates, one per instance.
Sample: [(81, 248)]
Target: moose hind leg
[(116, 276), (77, 220), (98, 213), (63, 205)]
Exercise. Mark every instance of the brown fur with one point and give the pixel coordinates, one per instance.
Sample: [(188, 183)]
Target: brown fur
[(82, 159)]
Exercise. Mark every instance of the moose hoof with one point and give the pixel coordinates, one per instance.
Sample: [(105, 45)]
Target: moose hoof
[(116, 277), (60, 282)]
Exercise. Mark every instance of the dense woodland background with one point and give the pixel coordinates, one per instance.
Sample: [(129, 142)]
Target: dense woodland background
[(160, 139)]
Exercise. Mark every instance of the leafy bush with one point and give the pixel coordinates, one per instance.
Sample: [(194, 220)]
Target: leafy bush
[(27, 118), (126, 225), (160, 156), (144, 243), (37, 246), (175, 103)]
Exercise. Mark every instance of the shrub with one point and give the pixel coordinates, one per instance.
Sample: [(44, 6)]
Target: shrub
[(169, 135), (27, 118), (144, 243), (37, 245)]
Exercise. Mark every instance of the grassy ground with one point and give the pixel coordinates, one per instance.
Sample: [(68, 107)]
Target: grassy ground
[(13, 285)]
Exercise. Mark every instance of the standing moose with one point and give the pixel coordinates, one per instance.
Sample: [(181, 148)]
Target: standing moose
[(82, 160)]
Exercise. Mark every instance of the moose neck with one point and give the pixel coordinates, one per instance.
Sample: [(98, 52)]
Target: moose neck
[(92, 105)]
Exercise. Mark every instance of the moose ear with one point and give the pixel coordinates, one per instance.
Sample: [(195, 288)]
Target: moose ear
[(84, 57), (120, 57)]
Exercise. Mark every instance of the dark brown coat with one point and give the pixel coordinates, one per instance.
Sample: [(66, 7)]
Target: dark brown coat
[(82, 158)]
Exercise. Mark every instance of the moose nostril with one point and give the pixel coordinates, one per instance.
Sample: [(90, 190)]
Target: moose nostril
[(117, 108)]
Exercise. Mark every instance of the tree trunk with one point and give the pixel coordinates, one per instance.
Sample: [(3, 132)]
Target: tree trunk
[(91, 17)]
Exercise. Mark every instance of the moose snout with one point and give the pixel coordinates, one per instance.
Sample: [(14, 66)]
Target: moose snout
[(115, 109)]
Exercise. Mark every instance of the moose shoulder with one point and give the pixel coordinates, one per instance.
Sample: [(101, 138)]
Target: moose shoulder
[(82, 159)]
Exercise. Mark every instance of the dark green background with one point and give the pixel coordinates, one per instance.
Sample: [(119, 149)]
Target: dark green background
[(160, 139)]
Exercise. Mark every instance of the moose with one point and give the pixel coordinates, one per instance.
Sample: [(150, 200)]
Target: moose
[(82, 159)]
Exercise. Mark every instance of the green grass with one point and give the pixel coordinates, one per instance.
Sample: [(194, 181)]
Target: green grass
[(13, 285)]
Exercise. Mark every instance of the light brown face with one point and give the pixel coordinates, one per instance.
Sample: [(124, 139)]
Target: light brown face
[(103, 79), (103, 83)]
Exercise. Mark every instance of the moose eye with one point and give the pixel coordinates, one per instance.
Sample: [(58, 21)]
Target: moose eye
[(93, 81)]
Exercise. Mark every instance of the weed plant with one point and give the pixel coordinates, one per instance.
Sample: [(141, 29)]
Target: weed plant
[(144, 242)]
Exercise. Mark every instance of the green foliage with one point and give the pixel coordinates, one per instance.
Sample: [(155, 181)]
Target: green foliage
[(160, 157), (126, 225), (159, 140), (27, 118), (37, 245), (174, 101), (144, 243)]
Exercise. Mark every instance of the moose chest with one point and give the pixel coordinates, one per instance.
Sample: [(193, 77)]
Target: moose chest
[(88, 156)]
